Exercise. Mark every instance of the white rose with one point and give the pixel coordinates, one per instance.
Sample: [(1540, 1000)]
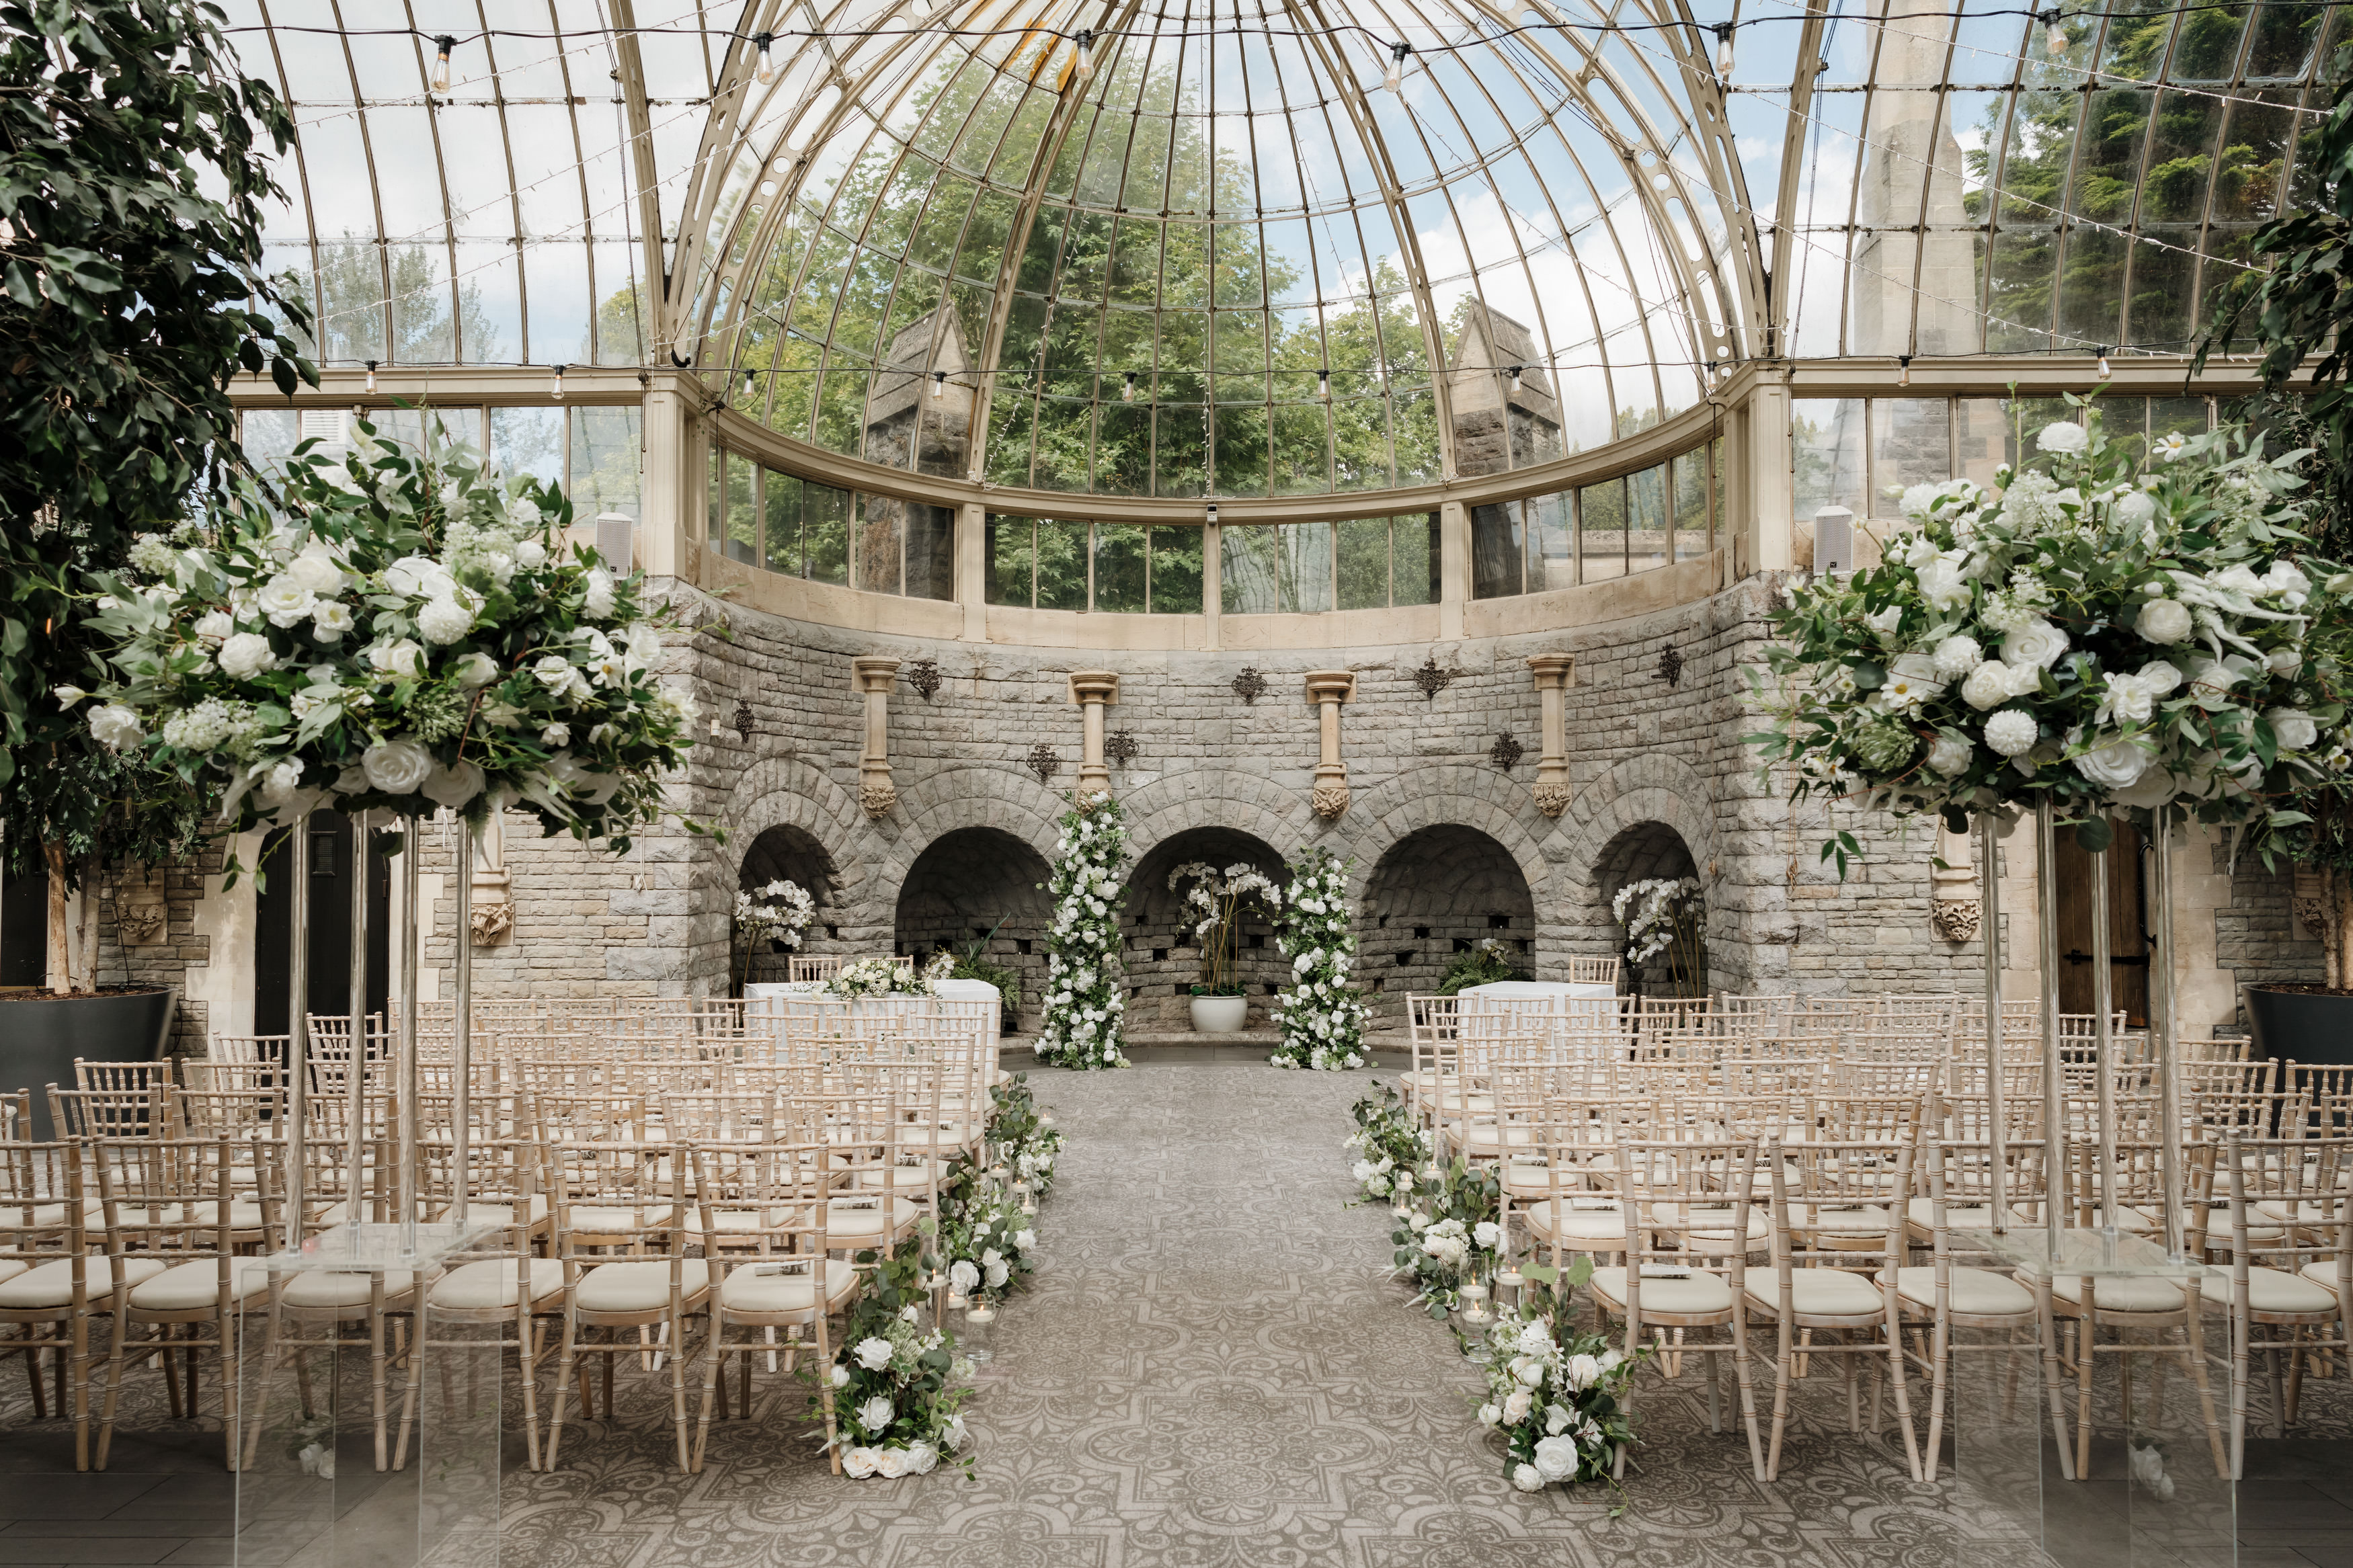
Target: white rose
[(397, 767), (277, 785), (873, 1353), (285, 601), (215, 627), (1956, 657), (1023, 1240), (317, 569), (1950, 754), (2165, 621), (962, 1276), (1556, 1458), (996, 1275), (453, 787), (1884, 622), (2283, 578), (2284, 662), (329, 619), (857, 1463), (532, 553), (405, 656), (645, 645), (552, 671), (2011, 732), (245, 654), (1487, 1233), (875, 1414), (1942, 584), (115, 727), (922, 1458), (2116, 765), (2293, 729), (1535, 1338), (2064, 438), (1490, 1414), (418, 577), (1987, 686), (2210, 679), (476, 671), (840, 1375), (1580, 1372), (1516, 1408), (1527, 1478), (2128, 700), (443, 621), (597, 601), (2159, 676), (2037, 643)]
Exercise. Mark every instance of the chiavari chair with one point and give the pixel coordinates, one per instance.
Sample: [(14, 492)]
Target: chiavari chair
[(1593, 971), (2266, 1287), (2327, 1093), (812, 967), (52, 1282), (1562, 1185), (135, 1111), (875, 1205), (266, 1049), (129, 1078)]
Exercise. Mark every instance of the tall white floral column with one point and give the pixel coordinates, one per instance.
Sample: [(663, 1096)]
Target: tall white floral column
[(1321, 1016), (1085, 1004)]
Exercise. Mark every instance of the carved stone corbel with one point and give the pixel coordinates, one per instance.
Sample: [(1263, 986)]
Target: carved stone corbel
[(491, 910), (1956, 906), (140, 912), (873, 677), (1327, 689), (1552, 672), (1093, 691)]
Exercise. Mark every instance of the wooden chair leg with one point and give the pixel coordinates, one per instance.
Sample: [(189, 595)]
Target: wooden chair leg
[(2193, 1333), (2047, 1326), (563, 1386)]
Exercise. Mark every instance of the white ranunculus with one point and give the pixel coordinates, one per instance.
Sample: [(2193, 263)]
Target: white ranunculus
[(285, 600), (329, 619), (840, 1375), (876, 1413), (2037, 643), (215, 627), (453, 787), (1950, 755), (476, 671), (597, 599), (2011, 732), (857, 1463), (398, 766), (1943, 585), (2163, 621), (873, 1353), (1556, 1458), (1987, 686), (1956, 657), (1527, 1478), (2292, 728), (443, 621), (403, 656), (2064, 438), (245, 654), (2116, 765), (115, 726)]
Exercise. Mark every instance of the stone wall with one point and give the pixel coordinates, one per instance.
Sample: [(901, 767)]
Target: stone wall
[(1439, 892)]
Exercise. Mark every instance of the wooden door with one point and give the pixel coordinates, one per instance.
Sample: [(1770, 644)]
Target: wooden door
[(2128, 945)]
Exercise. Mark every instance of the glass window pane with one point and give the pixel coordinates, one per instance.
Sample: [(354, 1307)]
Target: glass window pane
[(1307, 554), (825, 534), (1601, 532), (1248, 577), (529, 441), (1646, 529), (605, 462), (1911, 444), (1826, 452), (1691, 505), (1061, 565), (1495, 549), (714, 504), (875, 547), (1364, 579), (931, 551), (1119, 568), (1546, 522), (1012, 557), (780, 498), (1177, 571), (743, 521), (1413, 559), (269, 436)]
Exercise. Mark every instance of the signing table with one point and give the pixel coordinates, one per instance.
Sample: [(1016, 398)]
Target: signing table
[(775, 1002)]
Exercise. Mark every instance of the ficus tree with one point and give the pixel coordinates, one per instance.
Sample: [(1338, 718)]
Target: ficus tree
[(133, 174)]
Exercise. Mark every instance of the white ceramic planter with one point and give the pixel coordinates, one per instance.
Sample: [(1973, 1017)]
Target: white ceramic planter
[(1219, 1015)]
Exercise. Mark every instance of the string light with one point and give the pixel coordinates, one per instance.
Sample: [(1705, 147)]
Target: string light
[(1323, 384), (1127, 392), (371, 379), (2054, 37), (1395, 81), (443, 45), (1515, 381), (766, 72), (939, 383), (1083, 66), (556, 387), (2104, 371), (1724, 50), (1903, 370)]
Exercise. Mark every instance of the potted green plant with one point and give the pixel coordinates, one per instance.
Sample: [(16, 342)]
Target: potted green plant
[(973, 962), (132, 190), (1213, 904)]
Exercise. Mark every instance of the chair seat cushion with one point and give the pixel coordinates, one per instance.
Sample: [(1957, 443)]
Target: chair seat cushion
[(2121, 1293), (2272, 1290), (639, 1287), (1818, 1292), (1819, 1219), (612, 1219), (747, 1222), (1696, 1294), (759, 1293), (37, 1216), (51, 1284), (490, 1285), (191, 1287), (848, 1219), (2323, 1272), (1709, 1224), (243, 1213), (316, 1290), (499, 1211), (1975, 1293), (1565, 1221), (952, 1134), (1492, 1138), (1922, 1212)]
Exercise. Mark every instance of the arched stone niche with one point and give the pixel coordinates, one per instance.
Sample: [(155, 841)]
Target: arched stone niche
[(1439, 892), (976, 884), (793, 855), (1638, 854), (1162, 959)]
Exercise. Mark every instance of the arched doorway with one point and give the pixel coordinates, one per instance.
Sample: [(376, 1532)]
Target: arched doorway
[(1436, 893), (979, 884), (1645, 851), (1163, 961), (792, 855)]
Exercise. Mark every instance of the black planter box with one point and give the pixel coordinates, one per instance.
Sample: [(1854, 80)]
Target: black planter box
[(40, 1035)]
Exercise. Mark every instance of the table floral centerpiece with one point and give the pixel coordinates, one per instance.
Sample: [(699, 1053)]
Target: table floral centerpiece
[(869, 977)]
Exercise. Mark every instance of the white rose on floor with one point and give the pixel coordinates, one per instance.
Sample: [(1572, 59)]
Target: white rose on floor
[(115, 727), (857, 1463), (444, 621), (1556, 1458), (397, 767), (996, 1274), (2010, 733), (2038, 643), (1490, 1414), (476, 671), (1516, 1408), (2163, 621), (403, 658), (963, 1275), (2292, 728), (245, 654), (840, 1375), (285, 601), (1023, 1240), (922, 1458), (1956, 657), (2116, 766), (597, 601), (953, 1433), (1580, 1372), (329, 619), (875, 1414), (873, 1353), (1527, 1370), (2064, 438), (1556, 1419), (1987, 686), (1527, 1478), (453, 787), (1950, 754), (215, 627)]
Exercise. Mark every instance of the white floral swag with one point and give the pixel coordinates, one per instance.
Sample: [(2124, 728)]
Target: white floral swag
[(1084, 1009), (1321, 1015)]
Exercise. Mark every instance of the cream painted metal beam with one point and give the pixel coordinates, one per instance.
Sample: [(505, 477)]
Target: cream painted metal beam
[(632, 70)]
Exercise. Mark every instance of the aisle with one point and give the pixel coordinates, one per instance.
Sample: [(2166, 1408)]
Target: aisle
[(1213, 1371)]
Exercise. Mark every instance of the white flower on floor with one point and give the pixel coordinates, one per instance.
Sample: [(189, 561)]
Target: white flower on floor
[(1527, 1478), (963, 1275), (953, 1435), (857, 1463), (1557, 1458), (876, 1413), (1516, 1408), (1487, 1233), (1579, 1372), (873, 1354), (922, 1458), (1489, 1415), (890, 1463)]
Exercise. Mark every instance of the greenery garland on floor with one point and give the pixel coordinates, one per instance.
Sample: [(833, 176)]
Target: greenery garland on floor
[(1084, 1004), (1321, 1016)]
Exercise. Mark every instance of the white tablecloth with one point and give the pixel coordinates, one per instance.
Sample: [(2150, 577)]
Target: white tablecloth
[(1520, 990), (1578, 1004), (786, 991)]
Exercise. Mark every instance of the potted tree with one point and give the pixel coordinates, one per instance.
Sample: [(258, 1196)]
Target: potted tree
[(2300, 315), (131, 191), (1213, 901)]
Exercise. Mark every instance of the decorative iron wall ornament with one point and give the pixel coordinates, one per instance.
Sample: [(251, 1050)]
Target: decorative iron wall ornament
[(1121, 748), (741, 719), (925, 676), (1506, 753), (1043, 761), (1671, 664), (1249, 685), (1432, 680)]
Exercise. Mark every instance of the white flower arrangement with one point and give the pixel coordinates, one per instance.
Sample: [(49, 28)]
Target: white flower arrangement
[(2111, 630), (1666, 914), (893, 1389), (399, 632), (778, 913), (1554, 1395), (1084, 1008), (1321, 1016), (1213, 900), (866, 977), (1392, 1148)]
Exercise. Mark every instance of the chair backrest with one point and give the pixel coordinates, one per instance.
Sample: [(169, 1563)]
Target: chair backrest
[(107, 1112), (244, 1114), (813, 967), (1686, 1207), (1839, 1204), (122, 1077), (1593, 971), (245, 1048), (177, 1196)]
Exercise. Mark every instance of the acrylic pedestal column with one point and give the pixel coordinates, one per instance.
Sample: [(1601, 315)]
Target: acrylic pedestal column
[(312, 1496)]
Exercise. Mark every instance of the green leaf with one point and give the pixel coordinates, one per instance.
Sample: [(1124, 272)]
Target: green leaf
[(2095, 834)]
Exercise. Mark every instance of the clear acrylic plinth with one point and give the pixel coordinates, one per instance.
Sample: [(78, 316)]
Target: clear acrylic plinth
[(2140, 1485), (370, 1441)]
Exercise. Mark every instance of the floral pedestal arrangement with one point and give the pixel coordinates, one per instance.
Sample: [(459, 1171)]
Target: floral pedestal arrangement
[(1321, 1016)]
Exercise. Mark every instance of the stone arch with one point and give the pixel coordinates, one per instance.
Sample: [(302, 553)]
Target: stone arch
[(953, 799), (1649, 815), (973, 884), (804, 819), (1217, 798), (1161, 958), (1436, 892), (1647, 850), (1450, 794)]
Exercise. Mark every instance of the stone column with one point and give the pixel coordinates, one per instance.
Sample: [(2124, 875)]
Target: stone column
[(1093, 690), (1552, 672), (1956, 906), (1327, 689), (874, 678)]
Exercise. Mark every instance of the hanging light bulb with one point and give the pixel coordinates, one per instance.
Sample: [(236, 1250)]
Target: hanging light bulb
[(1903, 370), (766, 71), (2104, 371), (556, 387), (1083, 66), (2054, 37), (1213, 513), (1515, 380), (1127, 392), (939, 383), (1323, 384), (443, 45), (371, 379), (1395, 81), (1724, 50)]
